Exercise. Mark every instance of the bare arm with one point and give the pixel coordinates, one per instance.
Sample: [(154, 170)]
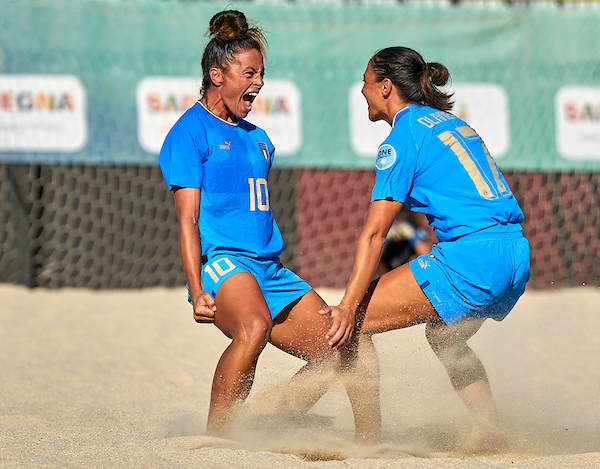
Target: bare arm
[(187, 202), (368, 253)]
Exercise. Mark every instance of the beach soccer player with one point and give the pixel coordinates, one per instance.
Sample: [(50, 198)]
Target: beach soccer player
[(217, 164), (436, 164)]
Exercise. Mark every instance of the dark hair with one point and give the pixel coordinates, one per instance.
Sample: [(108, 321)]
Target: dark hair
[(416, 80), (229, 33)]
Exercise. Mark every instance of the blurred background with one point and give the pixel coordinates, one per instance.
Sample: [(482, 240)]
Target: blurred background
[(89, 89)]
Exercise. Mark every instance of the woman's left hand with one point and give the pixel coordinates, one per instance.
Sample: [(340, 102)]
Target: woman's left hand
[(342, 325)]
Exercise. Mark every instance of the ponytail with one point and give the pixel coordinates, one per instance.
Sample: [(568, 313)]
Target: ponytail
[(416, 80)]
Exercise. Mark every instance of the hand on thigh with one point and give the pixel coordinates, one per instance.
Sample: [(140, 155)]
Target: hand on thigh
[(394, 301), (301, 330)]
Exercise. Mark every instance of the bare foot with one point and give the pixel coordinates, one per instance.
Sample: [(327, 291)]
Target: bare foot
[(368, 438), (485, 439)]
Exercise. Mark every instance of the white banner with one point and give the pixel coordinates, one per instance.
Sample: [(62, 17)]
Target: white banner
[(484, 106), (577, 110), (42, 113), (162, 100)]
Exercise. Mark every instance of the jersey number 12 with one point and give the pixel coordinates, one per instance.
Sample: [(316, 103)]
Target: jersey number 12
[(471, 165)]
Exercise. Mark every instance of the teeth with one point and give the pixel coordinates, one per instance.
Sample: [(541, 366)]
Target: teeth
[(250, 97)]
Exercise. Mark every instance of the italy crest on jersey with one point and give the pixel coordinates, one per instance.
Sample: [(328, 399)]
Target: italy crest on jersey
[(264, 149)]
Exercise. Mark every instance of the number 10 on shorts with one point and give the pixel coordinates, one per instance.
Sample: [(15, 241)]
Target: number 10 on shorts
[(218, 268)]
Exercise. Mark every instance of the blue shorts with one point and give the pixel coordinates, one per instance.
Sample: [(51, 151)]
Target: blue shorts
[(280, 286), (481, 275)]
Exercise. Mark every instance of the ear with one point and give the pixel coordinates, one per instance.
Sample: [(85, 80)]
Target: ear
[(386, 87), (216, 76)]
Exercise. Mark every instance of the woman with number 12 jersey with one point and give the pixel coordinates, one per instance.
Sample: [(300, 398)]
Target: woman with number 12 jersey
[(438, 165), (434, 163), (216, 163)]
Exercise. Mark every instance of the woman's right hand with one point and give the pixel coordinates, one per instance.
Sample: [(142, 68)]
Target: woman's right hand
[(204, 308)]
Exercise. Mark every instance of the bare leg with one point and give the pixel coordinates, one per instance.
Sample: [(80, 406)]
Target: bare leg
[(478, 398), (382, 268), (361, 379), (468, 376), (465, 370), (245, 318), (386, 306), (300, 331), (486, 434), (394, 301)]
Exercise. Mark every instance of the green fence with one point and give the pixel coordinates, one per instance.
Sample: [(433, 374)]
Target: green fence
[(88, 89), (95, 82)]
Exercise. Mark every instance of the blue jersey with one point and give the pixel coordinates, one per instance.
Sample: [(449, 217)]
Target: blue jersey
[(229, 163), (436, 164)]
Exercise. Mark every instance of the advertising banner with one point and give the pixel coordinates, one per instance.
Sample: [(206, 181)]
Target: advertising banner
[(96, 82)]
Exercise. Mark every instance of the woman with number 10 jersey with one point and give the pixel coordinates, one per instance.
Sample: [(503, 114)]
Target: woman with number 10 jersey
[(216, 163), (435, 164)]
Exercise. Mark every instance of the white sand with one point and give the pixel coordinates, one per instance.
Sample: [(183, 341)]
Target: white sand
[(122, 379)]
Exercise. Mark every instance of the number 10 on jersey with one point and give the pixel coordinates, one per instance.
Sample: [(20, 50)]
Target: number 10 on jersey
[(259, 194)]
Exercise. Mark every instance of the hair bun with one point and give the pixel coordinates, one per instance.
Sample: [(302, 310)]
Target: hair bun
[(227, 25), (438, 73)]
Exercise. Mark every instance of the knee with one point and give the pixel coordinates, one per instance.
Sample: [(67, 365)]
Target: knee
[(461, 362), (439, 337), (253, 334), (360, 354), (450, 348)]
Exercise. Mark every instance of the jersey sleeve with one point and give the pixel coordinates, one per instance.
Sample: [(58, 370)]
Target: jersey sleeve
[(180, 158), (394, 171)]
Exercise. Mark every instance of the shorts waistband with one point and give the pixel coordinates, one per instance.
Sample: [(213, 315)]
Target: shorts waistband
[(205, 257), (502, 230)]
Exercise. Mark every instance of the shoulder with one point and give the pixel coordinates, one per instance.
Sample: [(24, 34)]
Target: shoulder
[(398, 142), (194, 115), (193, 125), (188, 137), (256, 133), (424, 119), (191, 121), (251, 128), (403, 142)]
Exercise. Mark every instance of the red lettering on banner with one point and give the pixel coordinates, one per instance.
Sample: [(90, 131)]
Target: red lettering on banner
[(8, 101), (27, 101), (157, 102), (581, 112), (153, 102), (276, 105)]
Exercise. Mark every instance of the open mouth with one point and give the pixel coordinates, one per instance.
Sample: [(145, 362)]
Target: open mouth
[(250, 97)]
